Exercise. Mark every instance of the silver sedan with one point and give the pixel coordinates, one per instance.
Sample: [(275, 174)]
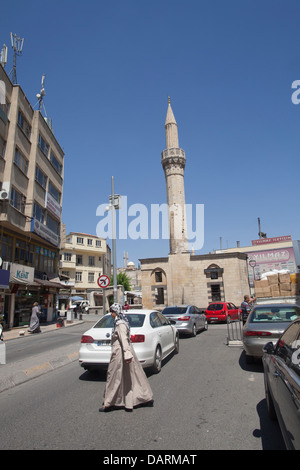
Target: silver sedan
[(266, 323), (188, 318)]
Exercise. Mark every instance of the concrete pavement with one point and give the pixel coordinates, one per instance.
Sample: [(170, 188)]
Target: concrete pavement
[(16, 373)]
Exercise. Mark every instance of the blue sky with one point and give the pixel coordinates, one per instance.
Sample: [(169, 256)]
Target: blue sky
[(228, 67)]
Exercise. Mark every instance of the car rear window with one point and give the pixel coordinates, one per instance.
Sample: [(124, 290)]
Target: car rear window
[(135, 321), (274, 314), (215, 307), (174, 310)]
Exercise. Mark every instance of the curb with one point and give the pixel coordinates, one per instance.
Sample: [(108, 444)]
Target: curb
[(25, 374)]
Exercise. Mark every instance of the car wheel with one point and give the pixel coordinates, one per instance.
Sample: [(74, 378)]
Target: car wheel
[(270, 403), (176, 349), (156, 368), (194, 330), (205, 325)]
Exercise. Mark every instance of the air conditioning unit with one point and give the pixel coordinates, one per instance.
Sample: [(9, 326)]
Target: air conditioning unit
[(4, 195)]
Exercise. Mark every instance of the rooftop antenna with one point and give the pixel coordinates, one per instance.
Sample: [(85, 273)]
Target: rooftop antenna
[(40, 97), (260, 233), (3, 56), (17, 45)]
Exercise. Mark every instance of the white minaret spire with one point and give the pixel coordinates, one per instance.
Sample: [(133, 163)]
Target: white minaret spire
[(173, 162)]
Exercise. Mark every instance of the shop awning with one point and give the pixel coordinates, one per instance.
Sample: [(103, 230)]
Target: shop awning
[(45, 283)]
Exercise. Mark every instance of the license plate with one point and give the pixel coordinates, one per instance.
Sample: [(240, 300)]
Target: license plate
[(103, 342)]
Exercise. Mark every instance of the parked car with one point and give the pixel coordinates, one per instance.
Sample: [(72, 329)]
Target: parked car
[(282, 383), (152, 335), (266, 322), (188, 318), (220, 311)]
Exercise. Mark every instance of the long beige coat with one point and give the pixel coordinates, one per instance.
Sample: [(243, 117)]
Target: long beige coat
[(127, 384)]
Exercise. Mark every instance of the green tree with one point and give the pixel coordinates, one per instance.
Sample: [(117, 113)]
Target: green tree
[(123, 280)]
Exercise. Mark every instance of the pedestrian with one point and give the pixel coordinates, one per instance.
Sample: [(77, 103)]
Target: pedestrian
[(246, 307), (34, 326), (127, 385), (126, 306)]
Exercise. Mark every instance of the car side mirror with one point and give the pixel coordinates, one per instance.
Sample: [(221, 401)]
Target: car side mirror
[(269, 348), (173, 322)]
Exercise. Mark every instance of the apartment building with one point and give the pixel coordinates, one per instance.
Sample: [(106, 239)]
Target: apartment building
[(31, 192), (83, 258)]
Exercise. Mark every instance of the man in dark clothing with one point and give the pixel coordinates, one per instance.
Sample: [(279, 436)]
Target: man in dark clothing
[(246, 307)]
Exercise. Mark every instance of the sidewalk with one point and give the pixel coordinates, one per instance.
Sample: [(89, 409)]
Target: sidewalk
[(16, 373)]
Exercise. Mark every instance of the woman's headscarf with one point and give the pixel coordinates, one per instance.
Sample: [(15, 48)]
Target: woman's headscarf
[(120, 318)]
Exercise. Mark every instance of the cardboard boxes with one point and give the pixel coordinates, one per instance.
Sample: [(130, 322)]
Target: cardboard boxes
[(278, 285)]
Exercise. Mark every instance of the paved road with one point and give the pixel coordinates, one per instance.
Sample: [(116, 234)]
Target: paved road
[(206, 398), (32, 345)]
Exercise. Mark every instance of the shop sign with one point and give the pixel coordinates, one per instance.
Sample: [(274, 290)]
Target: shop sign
[(4, 279), (21, 274), (52, 205), (44, 232)]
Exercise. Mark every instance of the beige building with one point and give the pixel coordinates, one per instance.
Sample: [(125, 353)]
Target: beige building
[(31, 192), (83, 258), (184, 278)]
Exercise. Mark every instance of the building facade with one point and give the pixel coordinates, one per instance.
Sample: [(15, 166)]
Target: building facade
[(31, 192), (83, 258), (182, 277)]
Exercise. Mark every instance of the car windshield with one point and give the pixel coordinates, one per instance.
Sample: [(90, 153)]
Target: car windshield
[(174, 311), (273, 314), (215, 307), (136, 320)]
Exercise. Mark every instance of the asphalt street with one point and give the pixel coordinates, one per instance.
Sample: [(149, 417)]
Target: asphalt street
[(205, 398)]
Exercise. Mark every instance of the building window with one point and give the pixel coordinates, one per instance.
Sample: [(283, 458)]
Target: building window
[(43, 146), (21, 161), (160, 298), (55, 163), (78, 276), (17, 200), (40, 177), (91, 277), (90, 242), (38, 213), (78, 260), (6, 247), (2, 147), (53, 225), (98, 243), (54, 192), (79, 241), (215, 292), (67, 256), (91, 260), (22, 122), (158, 276)]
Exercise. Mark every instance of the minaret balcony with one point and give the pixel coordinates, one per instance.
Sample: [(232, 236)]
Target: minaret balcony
[(173, 156)]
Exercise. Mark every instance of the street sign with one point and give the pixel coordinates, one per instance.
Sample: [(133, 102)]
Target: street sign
[(103, 281)]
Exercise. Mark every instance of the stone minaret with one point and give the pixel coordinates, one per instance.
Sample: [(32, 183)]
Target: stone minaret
[(173, 162)]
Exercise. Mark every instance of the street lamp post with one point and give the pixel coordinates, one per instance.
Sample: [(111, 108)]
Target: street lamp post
[(114, 203)]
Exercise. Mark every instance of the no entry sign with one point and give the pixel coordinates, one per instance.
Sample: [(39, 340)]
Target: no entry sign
[(103, 281)]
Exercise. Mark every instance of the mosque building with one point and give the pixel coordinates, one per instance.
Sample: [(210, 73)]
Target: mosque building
[(183, 277)]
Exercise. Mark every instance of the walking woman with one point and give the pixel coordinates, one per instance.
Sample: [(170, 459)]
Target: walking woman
[(34, 326), (127, 385)]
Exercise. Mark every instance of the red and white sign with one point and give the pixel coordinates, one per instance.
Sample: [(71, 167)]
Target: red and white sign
[(103, 281), (264, 241)]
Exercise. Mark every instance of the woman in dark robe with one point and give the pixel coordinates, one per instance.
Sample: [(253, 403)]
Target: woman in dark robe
[(127, 385), (34, 326)]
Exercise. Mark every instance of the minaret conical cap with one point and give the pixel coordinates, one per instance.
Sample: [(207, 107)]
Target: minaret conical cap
[(170, 119)]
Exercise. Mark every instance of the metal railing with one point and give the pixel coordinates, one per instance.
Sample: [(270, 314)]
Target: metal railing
[(234, 332)]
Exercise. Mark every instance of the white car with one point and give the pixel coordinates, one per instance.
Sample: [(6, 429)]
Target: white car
[(152, 335)]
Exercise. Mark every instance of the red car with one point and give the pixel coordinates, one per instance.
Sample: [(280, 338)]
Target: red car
[(219, 311)]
